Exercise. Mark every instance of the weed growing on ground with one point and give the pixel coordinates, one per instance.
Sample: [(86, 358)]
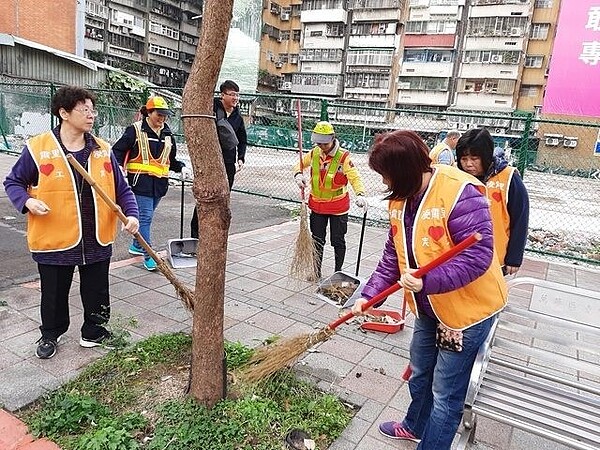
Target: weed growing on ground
[(135, 399)]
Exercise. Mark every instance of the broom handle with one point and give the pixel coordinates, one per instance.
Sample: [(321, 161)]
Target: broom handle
[(475, 237), (299, 123), (78, 167)]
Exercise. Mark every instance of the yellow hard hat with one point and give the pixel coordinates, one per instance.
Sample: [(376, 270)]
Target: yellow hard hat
[(323, 133)]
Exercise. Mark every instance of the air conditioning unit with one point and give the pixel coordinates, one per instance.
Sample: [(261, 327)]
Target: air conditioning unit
[(570, 142), (463, 126), (496, 58), (279, 65), (552, 141), (498, 130), (286, 86), (279, 39), (453, 125), (125, 30), (515, 31), (285, 16)]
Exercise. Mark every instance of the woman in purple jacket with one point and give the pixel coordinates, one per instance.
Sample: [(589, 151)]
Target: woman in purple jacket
[(68, 226), (432, 209)]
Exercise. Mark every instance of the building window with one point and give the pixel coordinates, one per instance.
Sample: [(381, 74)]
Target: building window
[(534, 62), (308, 5), (497, 26), (423, 83), (369, 57), (296, 35), (539, 31), (426, 55), (486, 86), (163, 51), (431, 27), (164, 30), (95, 9), (368, 80), (371, 28), (543, 3), (491, 57), (528, 91)]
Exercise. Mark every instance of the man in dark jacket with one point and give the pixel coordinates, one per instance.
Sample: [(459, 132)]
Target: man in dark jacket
[(232, 136)]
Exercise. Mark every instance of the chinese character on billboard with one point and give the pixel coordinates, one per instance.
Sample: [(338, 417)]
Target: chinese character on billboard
[(572, 87)]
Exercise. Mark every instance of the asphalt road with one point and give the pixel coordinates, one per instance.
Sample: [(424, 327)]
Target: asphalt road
[(249, 212)]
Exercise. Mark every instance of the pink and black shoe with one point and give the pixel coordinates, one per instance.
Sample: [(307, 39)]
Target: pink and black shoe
[(395, 430)]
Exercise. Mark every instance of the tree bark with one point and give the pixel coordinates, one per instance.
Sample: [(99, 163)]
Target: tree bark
[(211, 192)]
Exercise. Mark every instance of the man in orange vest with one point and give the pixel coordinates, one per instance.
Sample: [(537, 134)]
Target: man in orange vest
[(331, 169), (443, 153)]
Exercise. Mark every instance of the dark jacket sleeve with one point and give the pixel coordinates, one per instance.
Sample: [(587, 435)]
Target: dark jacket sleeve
[(518, 211), (240, 132), (23, 175), (174, 164), (124, 145), (470, 215)]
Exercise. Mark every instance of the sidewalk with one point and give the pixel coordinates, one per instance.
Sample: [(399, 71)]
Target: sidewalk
[(362, 368)]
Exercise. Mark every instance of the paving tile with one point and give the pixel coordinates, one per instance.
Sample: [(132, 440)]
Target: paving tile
[(344, 348), (13, 432), (326, 367), (268, 321), (492, 433), (239, 310), (19, 298), (371, 384), (23, 383), (521, 440), (248, 335)]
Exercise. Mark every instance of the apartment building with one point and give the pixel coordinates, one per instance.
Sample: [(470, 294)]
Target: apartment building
[(537, 58), (462, 55), (155, 39), (279, 46)]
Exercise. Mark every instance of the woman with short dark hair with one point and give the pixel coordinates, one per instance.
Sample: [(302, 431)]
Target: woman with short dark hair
[(509, 201), (432, 209), (67, 225)]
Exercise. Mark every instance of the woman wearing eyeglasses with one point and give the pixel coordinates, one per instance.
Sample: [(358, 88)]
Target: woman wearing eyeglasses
[(147, 152), (67, 225)]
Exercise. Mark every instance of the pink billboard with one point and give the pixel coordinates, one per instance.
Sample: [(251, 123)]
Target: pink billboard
[(572, 87)]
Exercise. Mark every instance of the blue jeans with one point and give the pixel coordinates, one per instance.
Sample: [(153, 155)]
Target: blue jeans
[(439, 381), (146, 207)]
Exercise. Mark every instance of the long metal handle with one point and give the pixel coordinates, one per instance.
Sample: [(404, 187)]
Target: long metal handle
[(476, 237), (109, 201)]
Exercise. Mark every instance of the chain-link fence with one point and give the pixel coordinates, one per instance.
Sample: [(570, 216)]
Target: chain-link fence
[(559, 160)]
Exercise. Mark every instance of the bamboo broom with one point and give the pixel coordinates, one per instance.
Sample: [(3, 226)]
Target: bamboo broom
[(303, 265), (183, 292), (268, 360)]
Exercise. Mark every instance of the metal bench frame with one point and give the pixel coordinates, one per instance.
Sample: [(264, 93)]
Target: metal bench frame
[(522, 378)]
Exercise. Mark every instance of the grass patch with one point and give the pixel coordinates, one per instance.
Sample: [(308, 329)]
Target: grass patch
[(135, 399)]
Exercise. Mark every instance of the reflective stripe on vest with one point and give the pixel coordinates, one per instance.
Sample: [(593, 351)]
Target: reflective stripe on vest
[(60, 229), (144, 162), (469, 304), (497, 193), (323, 190)]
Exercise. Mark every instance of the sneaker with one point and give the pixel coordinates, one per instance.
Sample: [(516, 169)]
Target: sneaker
[(103, 340), (135, 250), (46, 348), (150, 264), (395, 430)]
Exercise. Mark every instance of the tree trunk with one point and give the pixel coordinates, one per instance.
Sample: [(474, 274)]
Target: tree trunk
[(211, 192)]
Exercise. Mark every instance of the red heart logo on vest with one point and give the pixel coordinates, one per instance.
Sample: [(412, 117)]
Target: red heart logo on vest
[(46, 169), (436, 232), (108, 167), (394, 230), (497, 196)]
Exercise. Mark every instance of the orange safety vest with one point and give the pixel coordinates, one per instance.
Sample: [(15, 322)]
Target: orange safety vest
[(144, 162), (497, 193), (60, 229), (434, 154), (470, 304)]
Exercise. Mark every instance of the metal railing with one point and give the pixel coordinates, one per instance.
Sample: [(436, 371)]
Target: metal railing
[(559, 160)]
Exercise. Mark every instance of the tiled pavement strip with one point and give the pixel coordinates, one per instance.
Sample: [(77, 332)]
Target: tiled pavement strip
[(260, 301)]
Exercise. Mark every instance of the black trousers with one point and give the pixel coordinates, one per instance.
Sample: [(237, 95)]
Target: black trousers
[(230, 170), (338, 227), (56, 284)]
